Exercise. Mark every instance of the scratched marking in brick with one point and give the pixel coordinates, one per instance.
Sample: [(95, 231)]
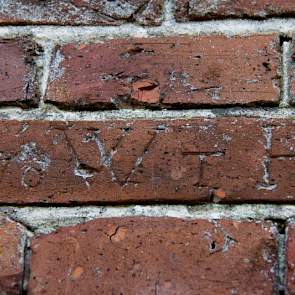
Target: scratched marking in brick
[(170, 72), (266, 183), (199, 160)]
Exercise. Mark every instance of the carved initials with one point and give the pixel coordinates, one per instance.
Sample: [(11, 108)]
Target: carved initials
[(106, 157)]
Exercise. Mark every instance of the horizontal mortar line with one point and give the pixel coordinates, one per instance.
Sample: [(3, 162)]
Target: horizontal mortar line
[(45, 220), (53, 114), (169, 28)]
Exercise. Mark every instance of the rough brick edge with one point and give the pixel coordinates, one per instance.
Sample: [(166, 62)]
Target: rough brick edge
[(286, 271), (32, 51), (290, 72), (24, 251), (131, 104), (181, 14), (79, 165), (277, 226), (41, 221), (149, 14)]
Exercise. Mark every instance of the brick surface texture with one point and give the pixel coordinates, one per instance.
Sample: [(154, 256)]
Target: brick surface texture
[(155, 256), (12, 247), (200, 160), (167, 72), (290, 254), (81, 12), (18, 72), (292, 74), (210, 9), (147, 147)]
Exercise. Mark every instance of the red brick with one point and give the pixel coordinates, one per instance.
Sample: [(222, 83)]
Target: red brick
[(208, 9), (167, 72), (18, 72), (81, 12), (12, 247), (292, 75), (290, 259), (197, 160), (155, 256)]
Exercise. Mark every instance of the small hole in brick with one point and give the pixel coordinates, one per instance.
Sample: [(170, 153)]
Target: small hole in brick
[(280, 224), (267, 66), (284, 38)]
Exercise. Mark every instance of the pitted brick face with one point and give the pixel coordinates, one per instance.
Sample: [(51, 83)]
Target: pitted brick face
[(290, 259), (175, 72), (219, 9), (155, 256), (292, 73), (81, 12), (167, 123), (198, 160), (18, 72), (12, 246)]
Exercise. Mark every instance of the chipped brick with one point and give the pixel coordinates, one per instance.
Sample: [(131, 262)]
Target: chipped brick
[(167, 73), (156, 256), (186, 10), (290, 259), (18, 85), (292, 74), (12, 246), (81, 12)]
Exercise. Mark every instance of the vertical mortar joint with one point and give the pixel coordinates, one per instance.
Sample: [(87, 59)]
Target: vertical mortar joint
[(281, 226), (169, 13), (26, 270), (48, 47), (286, 62)]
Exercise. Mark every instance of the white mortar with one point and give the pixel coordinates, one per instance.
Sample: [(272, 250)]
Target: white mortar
[(45, 220)]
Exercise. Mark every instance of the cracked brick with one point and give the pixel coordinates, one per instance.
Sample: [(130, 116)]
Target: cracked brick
[(81, 12), (156, 256), (18, 72)]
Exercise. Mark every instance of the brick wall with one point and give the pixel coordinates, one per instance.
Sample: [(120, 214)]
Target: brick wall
[(147, 147)]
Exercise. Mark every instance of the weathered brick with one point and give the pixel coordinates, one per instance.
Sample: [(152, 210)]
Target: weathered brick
[(292, 75), (167, 72), (210, 9), (155, 256), (81, 12), (12, 246), (290, 259), (197, 160), (18, 72)]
